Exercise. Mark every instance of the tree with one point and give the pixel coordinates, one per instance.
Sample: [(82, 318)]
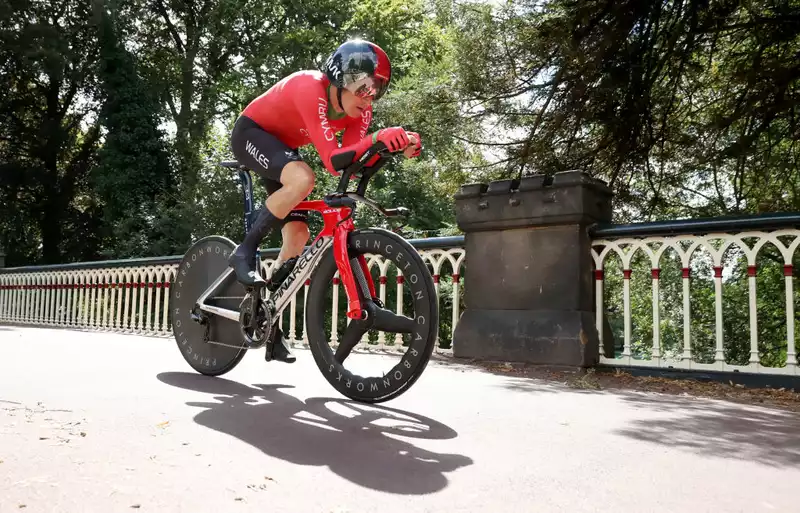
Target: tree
[(133, 178), (686, 108), (49, 131)]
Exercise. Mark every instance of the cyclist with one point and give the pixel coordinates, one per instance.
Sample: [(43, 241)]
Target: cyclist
[(308, 106)]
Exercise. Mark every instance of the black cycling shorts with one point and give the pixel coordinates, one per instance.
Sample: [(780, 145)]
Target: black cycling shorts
[(266, 155)]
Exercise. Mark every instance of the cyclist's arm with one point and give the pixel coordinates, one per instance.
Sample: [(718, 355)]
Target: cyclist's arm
[(323, 137), (357, 129), (356, 132)]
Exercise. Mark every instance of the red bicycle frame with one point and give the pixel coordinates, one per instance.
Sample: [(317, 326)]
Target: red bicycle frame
[(339, 224)]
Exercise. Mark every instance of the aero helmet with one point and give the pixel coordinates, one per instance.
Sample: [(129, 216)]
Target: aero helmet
[(361, 67)]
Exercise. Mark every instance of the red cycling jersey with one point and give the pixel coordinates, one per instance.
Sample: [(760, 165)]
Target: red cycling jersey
[(295, 110)]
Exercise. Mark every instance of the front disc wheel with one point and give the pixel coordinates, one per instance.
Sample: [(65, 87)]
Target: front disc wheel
[(404, 335)]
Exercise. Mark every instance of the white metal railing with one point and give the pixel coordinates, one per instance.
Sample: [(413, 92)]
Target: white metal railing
[(133, 296), (721, 301), (697, 302), (130, 299)]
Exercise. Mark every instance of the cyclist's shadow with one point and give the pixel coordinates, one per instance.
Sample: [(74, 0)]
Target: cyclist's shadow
[(348, 437)]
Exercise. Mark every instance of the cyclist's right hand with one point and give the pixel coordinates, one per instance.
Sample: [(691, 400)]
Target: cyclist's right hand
[(395, 138)]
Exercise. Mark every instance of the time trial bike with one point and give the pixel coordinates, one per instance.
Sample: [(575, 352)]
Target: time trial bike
[(216, 319)]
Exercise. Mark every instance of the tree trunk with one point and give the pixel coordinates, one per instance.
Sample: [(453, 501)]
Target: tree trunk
[(52, 211)]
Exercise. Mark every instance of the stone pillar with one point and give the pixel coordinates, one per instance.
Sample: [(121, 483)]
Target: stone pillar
[(529, 285)]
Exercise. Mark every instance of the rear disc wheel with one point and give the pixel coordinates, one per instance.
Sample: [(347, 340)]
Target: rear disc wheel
[(202, 264)]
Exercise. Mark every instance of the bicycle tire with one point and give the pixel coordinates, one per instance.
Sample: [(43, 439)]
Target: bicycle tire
[(205, 260), (414, 361)]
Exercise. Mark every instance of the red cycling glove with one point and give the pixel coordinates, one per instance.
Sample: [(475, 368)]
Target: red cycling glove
[(417, 145), (395, 138)]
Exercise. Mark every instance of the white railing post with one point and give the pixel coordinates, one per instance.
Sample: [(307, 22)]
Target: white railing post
[(656, 274), (791, 355), (335, 312), (751, 282), (626, 302), (305, 302), (719, 354), (687, 316)]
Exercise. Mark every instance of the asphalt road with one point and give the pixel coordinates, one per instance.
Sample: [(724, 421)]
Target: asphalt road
[(98, 422)]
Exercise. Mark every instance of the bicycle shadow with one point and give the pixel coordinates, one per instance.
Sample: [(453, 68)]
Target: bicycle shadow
[(362, 446)]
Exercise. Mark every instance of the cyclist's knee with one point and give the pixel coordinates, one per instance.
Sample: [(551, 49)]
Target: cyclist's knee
[(298, 175)]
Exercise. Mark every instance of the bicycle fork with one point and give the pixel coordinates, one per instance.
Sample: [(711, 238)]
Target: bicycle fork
[(354, 272)]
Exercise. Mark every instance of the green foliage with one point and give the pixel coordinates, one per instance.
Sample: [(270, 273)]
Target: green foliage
[(132, 178), (685, 108), (48, 131)]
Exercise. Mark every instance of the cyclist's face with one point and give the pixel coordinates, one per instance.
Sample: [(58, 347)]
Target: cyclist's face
[(353, 105)]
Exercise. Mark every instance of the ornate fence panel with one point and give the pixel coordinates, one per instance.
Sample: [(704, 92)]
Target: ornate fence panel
[(708, 295), (714, 294), (132, 296), (128, 296)]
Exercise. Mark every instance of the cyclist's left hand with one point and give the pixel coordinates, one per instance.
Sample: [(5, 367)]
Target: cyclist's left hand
[(415, 148)]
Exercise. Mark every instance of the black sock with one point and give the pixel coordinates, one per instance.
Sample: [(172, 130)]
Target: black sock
[(261, 227)]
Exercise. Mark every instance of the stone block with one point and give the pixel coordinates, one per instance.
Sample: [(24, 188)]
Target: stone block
[(529, 283)]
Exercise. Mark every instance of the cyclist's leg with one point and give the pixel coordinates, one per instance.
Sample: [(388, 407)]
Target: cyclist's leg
[(268, 157), (297, 182), (294, 232), (295, 237)]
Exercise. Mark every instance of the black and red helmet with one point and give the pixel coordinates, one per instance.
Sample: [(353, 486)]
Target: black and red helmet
[(361, 67)]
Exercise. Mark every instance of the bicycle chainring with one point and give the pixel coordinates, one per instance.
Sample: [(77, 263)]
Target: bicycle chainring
[(258, 335)]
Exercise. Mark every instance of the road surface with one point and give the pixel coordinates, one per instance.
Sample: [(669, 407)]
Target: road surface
[(99, 422)]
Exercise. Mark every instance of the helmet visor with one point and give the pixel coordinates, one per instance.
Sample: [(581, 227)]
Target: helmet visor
[(368, 87)]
